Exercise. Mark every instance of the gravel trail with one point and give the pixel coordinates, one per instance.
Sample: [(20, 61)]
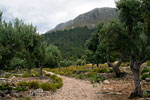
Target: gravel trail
[(73, 89)]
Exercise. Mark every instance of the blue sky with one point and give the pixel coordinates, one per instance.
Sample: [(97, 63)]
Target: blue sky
[(46, 14)]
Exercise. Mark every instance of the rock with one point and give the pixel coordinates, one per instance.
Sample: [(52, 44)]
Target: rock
[(106, 82), (13, 91), (2, 94), (14, 77), (147, 79), (143, 82), (17, 95), (8, 95), (36, 92)]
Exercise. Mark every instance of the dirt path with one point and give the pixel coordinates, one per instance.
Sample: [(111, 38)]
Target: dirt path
[(73, 89)]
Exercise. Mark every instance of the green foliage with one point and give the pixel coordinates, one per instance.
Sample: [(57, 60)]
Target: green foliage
[(148, 63), (28, 98), (53, 56), (22, 86), (95, 77), (145, 70), (48, 87), (57, 81), (95, 54), (70, 42), (5, 86), (80, 62), (101, 70), (146, 94), (81, 72), (27, 75), (144, 76), (33, 85)]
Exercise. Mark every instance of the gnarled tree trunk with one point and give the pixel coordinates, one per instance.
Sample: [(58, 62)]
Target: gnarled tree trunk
[(116, 69), (135, 68)]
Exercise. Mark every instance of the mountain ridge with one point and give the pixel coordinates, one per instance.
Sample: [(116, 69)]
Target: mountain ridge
[(89, 19)]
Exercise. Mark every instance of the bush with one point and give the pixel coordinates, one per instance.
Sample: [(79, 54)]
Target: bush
[(48, 87), (99, 78), (148, 63), (57, 81), (22, 86), (27, 75), (145, 70), (101, 70), (5, 86), (81, 76), (144, 76), (33, 85), (111, 71)]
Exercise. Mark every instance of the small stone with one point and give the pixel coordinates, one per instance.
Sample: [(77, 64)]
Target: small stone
[(106, 82)]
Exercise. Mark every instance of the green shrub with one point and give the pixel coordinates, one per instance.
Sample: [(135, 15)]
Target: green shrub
[(99, 78), (91, 74), (33, 85), (57, 81), (48, 87), (5, 86), (110, 70), (59, 85), (146, 94), (101, 70), (81, 76), (48, 75), (144, 76), (27, 75), (22, 86), (148, 63), (28, 98), (7, 75), (145, 70)]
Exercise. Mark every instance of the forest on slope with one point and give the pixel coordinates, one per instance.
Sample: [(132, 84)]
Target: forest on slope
[(71, 42)]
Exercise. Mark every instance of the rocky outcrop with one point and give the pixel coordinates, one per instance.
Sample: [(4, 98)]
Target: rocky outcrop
[(89, 19)]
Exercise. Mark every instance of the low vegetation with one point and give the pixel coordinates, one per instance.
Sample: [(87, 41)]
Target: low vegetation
[(83, 72)]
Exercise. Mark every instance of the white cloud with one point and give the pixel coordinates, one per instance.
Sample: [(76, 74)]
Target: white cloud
[(46, 14)]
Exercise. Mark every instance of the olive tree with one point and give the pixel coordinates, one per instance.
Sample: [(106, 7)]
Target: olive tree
[(113, 40), (134, 14)]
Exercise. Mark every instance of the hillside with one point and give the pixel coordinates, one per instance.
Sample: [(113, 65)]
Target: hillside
[(70, 42), (70, 37)]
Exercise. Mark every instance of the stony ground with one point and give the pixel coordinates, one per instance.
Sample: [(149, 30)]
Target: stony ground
[(73, 89)]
